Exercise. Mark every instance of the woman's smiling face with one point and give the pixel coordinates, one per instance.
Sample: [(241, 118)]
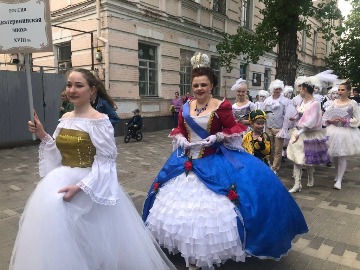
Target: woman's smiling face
[(78, 90), (202, 87)]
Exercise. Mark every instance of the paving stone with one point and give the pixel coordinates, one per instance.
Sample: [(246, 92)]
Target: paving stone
[(316, 242), (339, 249), (353, 248), (329, 266), (334, 203), (315, 263)]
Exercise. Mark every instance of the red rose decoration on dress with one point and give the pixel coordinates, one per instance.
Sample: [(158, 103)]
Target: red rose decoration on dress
[(233, 196), (156, 186), (188, 166)]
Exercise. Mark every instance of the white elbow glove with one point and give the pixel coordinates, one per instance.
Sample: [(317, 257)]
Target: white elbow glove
[(183, 142), (212, 139), (209, 141)]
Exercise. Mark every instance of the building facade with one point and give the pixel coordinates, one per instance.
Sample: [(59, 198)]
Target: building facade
[(141, 49)]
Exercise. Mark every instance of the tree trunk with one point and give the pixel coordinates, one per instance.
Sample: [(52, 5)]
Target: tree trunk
[(287, 60)]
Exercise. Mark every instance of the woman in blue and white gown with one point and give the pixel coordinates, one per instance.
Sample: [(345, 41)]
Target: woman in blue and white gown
[(212, 201), (79, 217)]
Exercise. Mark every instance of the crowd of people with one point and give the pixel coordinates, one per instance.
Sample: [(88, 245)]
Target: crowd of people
[(207, 202)]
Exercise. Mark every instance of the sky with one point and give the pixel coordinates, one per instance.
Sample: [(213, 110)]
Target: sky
[(345, 7)]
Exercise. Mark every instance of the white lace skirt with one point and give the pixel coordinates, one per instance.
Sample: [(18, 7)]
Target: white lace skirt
[(189, 218), (81, 234), (343, 141)]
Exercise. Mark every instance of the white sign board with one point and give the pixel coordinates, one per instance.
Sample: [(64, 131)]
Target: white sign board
[(25, 26)]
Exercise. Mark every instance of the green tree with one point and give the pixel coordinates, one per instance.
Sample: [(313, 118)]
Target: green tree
[(282, 19), (345, 60)]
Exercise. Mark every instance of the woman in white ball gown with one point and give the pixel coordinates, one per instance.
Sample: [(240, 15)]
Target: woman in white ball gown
[(342, 119), (79, 217)]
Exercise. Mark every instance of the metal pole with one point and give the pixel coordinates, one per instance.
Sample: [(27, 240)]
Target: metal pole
[(92, 51), (29, 85)]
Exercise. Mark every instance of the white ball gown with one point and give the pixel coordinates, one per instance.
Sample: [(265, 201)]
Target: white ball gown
[(100, 227), (344, 139)]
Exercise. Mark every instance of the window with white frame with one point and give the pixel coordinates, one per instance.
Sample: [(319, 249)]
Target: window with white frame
[(219, 6), (215, 66), (315, 41), (148, 70), (185, 71), (64, 56), (246, 14)]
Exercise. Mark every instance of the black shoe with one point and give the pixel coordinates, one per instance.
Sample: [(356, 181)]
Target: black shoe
[(283, 159), (329, 164)]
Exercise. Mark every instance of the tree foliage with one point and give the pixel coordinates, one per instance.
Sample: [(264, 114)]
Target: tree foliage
[(282, 19), (345, 60)]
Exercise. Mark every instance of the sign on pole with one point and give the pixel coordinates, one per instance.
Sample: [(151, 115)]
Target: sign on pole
[(25, 27)]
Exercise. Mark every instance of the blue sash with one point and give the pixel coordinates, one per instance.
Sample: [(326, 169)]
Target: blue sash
[(203, 134)]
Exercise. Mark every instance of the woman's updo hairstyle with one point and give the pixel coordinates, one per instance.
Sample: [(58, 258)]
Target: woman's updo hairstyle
[(347, 85)]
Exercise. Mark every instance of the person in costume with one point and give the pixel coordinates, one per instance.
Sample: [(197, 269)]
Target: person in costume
[(262, 96), (209, 201), (257, 142), (342, 119), (297, 99), (243, 106), (307, 146), (288, 91), (287, 124), (79, 217), (275, 108), (317, 96), (332, 95)]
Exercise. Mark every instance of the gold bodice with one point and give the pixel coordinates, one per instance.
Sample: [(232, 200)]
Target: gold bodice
[(76, 148)]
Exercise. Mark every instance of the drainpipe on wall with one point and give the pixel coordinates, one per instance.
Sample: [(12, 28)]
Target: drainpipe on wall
[(107, 46)]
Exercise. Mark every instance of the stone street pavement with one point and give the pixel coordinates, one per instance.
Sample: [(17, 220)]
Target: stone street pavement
[(333, 216)]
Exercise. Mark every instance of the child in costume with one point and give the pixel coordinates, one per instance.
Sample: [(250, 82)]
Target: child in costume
[(257, 142)]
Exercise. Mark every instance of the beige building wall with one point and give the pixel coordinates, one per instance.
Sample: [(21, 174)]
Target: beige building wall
[(170, 26)]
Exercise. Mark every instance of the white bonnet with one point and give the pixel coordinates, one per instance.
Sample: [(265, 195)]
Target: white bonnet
[(238, 84)]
